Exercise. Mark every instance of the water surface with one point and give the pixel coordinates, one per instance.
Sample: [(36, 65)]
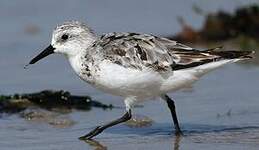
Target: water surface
[(218, 112)]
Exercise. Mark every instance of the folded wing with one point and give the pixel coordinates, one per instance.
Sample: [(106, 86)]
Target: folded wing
[(140, 51)]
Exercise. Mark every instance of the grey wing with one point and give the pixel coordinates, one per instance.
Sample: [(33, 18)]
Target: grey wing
[(185, 57), (136, 51), (141, 50)]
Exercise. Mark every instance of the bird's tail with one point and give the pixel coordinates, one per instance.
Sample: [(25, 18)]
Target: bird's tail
[(222, 58), (196, 58), (232, 54)]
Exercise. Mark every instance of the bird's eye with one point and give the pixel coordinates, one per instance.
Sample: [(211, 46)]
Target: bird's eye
[(64, 37)]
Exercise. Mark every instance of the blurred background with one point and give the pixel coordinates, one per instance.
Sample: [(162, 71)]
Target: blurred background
[(225, 99), (26, 28)]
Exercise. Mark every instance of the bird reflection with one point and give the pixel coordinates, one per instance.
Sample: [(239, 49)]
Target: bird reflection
[(176, 142), (95, 144)]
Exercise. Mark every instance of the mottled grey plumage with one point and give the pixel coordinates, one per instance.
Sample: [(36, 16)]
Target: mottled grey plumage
[(135, 50)]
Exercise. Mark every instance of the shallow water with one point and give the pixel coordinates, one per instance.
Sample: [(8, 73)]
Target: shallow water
[(218, 112), (213, 116)]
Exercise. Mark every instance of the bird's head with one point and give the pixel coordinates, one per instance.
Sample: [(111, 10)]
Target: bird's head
[(69, 39)]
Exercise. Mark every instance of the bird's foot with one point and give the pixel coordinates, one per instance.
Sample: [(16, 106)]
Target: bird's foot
[(91, 134)]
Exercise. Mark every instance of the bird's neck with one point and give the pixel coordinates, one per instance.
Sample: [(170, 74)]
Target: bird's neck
[(75, 63), (83, 67), (76, 60)]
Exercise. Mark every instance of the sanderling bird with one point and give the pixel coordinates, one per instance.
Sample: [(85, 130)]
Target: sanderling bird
[(134, 66)]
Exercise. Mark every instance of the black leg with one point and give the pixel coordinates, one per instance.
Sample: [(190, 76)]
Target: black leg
[(99, 129), (171, 106)]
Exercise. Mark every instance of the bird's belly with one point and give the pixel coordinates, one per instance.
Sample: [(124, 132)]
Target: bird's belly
[(122, 81), (179, 79), (126, 82)]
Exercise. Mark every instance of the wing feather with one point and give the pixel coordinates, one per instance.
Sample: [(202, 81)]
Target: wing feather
[(142, 50), (136, 50)]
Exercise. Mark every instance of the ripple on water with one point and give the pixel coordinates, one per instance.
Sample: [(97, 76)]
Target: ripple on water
[(239, 135)]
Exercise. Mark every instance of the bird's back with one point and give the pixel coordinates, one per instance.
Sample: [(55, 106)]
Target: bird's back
[(133, 50), (133, 63)]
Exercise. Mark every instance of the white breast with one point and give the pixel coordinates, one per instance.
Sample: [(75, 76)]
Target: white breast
[(126, 82)]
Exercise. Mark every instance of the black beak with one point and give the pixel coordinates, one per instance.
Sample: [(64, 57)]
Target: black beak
[(49, 50)]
